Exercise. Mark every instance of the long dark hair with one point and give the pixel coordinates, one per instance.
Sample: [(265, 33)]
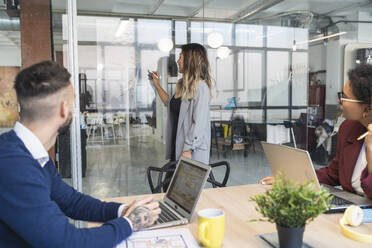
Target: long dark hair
[(195, 68), (361, 83)]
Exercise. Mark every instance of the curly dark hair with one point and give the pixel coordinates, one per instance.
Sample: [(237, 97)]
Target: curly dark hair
[(36, 82), (361, 82)]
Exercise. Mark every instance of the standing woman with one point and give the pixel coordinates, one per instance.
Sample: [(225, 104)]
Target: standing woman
[(188, 130)]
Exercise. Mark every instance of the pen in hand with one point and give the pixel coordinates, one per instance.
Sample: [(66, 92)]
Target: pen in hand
[(152, 73), (363, 135)]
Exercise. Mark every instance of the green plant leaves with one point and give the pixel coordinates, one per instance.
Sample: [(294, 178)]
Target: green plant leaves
[(289, 204)]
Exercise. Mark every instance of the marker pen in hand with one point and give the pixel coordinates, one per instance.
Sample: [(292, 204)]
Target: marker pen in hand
[(152, 73)]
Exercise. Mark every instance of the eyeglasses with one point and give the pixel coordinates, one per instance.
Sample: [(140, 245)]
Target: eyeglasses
[(341, 98)]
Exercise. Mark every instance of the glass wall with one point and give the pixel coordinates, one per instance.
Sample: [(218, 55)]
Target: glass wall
[(124, 120), (270, 73), (10, 64)]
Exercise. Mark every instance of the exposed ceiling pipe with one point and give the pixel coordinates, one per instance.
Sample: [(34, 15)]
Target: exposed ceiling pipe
[(7, 24), (156, 7), (13, 24), (254, 9), (196, 11), (345, 21), (349, 7), (144, 16), (295, 12)]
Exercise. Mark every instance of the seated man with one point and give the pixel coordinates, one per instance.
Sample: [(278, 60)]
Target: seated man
[(35, 202)]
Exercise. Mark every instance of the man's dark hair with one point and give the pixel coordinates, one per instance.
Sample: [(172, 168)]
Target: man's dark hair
[(36, 82), (361, 82)]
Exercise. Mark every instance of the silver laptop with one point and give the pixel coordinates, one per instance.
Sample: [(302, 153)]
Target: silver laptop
[(296, 164), (183, 193)]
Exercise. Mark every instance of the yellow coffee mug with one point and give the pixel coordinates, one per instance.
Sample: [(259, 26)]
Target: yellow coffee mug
[(211, 227)]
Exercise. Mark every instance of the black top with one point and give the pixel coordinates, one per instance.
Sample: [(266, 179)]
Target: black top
[(175, 106)]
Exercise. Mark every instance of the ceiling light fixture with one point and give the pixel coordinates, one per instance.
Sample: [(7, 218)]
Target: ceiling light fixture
[(215, 40), (223, 52), (121, 28), (165, 45), (321, 38)]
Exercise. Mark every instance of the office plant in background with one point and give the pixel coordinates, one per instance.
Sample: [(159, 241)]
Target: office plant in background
[(290, 206)]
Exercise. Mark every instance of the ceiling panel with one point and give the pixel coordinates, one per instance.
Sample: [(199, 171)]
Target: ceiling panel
[(317, 6), (130, 8), (59, 4), (231, 4), (174, 10), (143, 2), (184, 3), (216, 13), (9, 39), (213, 8), (94, 5)]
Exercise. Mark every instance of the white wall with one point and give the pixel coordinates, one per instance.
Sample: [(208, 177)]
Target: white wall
[(10, 56), (334, 71), (317, 58), (364, 29)]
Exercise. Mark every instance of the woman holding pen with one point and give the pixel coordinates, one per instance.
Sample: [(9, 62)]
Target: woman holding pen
[(188, 130), (352, 166)]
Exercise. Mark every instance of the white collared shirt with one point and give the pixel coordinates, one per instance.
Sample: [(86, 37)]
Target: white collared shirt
[(32, 143), (360, 165)]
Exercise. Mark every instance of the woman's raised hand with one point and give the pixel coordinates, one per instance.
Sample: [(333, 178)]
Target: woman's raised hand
[(155, 77)]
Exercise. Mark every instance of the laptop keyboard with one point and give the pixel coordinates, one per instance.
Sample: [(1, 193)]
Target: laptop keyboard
[(340, 201), (166, 215)]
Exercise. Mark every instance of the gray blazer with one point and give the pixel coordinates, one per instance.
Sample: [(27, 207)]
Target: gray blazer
[(194, 126)]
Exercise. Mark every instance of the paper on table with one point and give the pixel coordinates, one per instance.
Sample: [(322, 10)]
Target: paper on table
[(172, 238)]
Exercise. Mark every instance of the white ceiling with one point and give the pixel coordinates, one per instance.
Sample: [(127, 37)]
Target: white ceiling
[(220, 9), (9, 39), (216, 9)]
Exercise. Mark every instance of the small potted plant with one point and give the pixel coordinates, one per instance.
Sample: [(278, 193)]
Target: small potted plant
[(290, 206)]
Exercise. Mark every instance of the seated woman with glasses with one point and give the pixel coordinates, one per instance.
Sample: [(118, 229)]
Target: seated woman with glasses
[(352, 166)]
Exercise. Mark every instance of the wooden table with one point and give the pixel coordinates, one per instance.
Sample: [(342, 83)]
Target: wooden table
[(324, 231)]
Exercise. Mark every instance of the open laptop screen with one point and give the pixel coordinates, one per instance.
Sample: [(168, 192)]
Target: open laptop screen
[(186, 184)]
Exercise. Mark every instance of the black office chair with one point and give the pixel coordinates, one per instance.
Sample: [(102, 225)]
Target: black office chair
[(216, 136), (166, 172), (162, 183), (212, 179), (239, 138)]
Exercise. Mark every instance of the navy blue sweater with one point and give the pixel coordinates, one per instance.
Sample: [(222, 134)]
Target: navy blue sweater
[(35, 204)]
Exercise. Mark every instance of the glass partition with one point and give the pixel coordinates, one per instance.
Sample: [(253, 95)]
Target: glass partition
[(10, 64), (259, 72)]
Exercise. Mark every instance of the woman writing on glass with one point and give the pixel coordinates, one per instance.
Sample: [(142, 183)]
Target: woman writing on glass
[(352, 166), (188, 130)]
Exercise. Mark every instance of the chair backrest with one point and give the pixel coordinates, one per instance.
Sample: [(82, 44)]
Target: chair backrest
[(109, 118), (217, 130), (226, 176), (94, 120), (238, 128), (238, 131), (166, 172)]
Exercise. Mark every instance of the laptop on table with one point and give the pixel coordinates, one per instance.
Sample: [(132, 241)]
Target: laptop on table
[(179, 202), (296, 164)]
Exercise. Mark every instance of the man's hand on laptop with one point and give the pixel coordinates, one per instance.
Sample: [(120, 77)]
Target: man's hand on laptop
[(267, 180), (142, 213)]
